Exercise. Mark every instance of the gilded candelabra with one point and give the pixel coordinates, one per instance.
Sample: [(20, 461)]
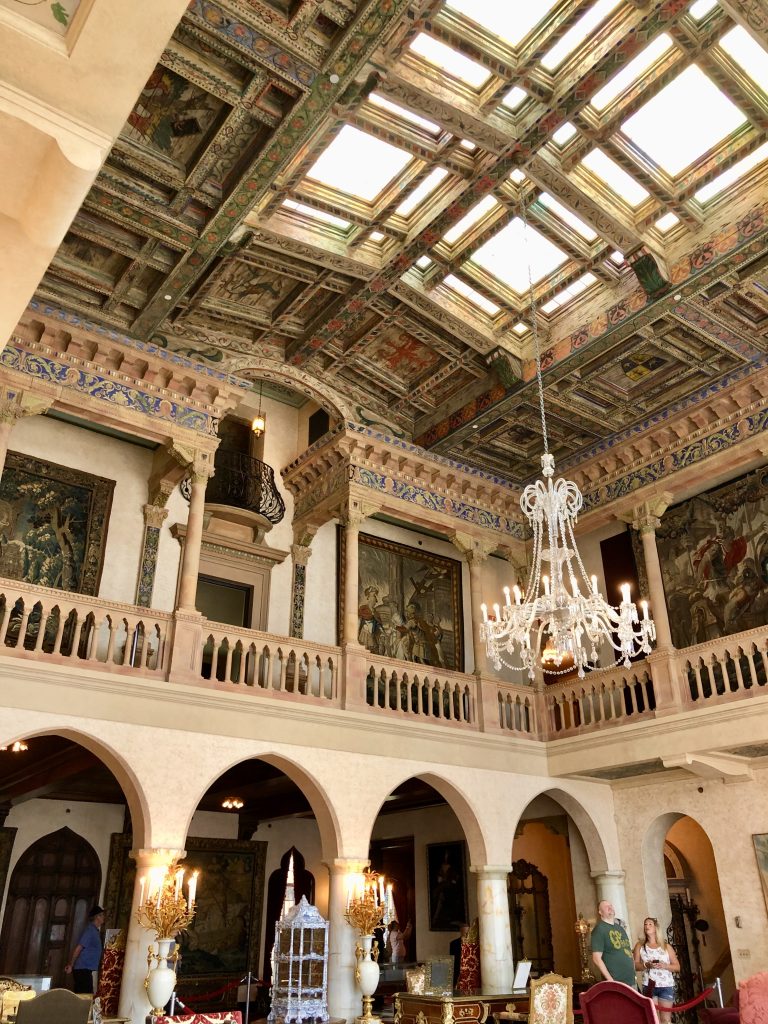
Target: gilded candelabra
[(370, 904), (582, 933), (164, 909)]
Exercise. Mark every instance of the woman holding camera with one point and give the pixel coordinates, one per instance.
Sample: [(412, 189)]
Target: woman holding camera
[(657, 959)]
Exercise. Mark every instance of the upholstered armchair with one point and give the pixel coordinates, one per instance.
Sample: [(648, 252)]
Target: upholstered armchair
[(219, 1017), (610, 1001), (11, 998), (58, 1005), (551, 1002)]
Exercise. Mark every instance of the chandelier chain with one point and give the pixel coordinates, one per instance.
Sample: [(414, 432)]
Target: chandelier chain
[(534, 326)]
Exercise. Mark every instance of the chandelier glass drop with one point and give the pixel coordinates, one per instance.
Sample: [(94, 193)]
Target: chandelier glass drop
[(561, 608)]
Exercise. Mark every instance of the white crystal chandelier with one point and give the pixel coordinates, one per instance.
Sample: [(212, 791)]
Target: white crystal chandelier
[(561, 609)]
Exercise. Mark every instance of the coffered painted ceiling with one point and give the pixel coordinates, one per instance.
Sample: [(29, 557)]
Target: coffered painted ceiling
[(342, 187)]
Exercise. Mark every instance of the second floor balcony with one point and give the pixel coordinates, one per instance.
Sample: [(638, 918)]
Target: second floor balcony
[(243, 482), (48, 626)]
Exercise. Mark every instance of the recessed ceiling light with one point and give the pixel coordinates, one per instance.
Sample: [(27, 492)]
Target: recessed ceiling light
[(474, 426), (167, 298)]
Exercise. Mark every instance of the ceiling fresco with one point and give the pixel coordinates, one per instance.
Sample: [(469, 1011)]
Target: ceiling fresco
[(357, 188)]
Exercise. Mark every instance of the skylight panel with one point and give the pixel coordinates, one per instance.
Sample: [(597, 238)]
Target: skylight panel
[(667, 222), (471, 218), (510, 20), (571, 292), (732, 174), (617, 257), (421, 191), (520, 328), (514, 98), (615, 177), (576, 35), (358, 164), (450, 61), (629, 74), (564, 134), (404, 113), (742, 48), (517, 176), (309, 211), (565, 214), (469, 146), (506, 256), (377, 236), (688, 117), (469, 293), (701, 8), (423, 262)]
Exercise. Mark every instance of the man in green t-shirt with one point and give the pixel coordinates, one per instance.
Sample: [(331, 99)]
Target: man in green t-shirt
[(611, 949)]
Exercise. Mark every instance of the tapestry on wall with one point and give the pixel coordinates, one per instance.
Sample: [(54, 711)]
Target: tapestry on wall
[(409, 603), (713, 551), (224, 937), (761, 852), (53, 524), (447, 886)]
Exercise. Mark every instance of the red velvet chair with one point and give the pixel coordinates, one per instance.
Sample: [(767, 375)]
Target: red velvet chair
[(610, 1002), (721, 1014)]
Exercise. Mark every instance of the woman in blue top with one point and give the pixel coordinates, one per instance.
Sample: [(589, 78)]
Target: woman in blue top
[(87, 955)]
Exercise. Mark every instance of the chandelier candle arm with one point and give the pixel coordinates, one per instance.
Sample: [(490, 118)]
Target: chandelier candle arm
[(562, 606)]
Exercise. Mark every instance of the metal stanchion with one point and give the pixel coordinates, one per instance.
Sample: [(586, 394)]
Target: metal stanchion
[(719, 990), (247, 979)]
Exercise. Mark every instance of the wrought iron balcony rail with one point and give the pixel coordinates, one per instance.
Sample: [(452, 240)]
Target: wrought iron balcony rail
[(244, 482)]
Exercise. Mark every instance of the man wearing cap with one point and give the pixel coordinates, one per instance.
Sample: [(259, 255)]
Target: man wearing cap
[(87, 955)]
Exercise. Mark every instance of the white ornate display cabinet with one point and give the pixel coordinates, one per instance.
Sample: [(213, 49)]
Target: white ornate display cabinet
[(300, 979)]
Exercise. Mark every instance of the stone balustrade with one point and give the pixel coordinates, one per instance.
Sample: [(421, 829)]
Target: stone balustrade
[(48, 625), (52, 625)]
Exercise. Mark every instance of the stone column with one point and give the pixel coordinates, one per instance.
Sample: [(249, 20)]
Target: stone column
[(646, 520), (476, 553), (301, 552), (344, 999), (16, 405), (610, 886), (351, 518), (133, 997), (154, 517), (200, 470), (497, 969)]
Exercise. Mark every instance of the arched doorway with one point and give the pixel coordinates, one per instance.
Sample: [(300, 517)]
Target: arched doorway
[(683, 887), (554, 851), (54, 884), (64, 806), (240, 837)]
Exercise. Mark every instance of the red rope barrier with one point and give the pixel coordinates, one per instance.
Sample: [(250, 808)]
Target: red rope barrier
[(207, 996), (695, 1002)]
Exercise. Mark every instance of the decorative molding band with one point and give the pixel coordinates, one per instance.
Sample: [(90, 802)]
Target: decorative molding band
[(298, 594), (148, 565)]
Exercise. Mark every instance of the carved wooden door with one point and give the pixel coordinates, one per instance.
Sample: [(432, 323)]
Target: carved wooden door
[(52, 888)]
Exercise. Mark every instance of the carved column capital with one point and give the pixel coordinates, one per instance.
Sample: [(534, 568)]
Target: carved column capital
[(18, 404), (356, 512), (301, 553), (155, 515), (474, 550), (646, 518), (198, 462)]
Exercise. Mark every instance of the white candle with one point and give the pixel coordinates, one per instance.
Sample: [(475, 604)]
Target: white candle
[(594, 584), (193, 888), (518, 595), (545, 581), (142, 883), (497, 612), (160, 890), (484, 610), (179, 880), (645, 609), (625, 592), (506, 597)]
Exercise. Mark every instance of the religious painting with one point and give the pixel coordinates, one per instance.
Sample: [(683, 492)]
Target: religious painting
[(447, 886), (172, 116), (761, 852), (404, 356), (53, 524), (713, 550), (409, 603)]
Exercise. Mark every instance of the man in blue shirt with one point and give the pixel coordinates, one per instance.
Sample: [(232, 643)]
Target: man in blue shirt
[(87, 955)]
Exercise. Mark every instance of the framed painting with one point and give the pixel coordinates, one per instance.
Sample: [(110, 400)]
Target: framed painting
[(713, 550), (447, 886), (761, 852), (409, 603), (224, 938), (53, 524)]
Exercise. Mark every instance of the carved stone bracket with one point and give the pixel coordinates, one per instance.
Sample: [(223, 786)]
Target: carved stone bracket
[(646, 518), (474, 550), (16, 404)]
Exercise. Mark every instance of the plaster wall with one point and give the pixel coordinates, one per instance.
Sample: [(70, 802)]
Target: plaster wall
[(37, 818), (729, 814), (129, 466)]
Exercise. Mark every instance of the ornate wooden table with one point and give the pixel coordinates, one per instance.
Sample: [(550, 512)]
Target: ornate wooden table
[(412, 1008)]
